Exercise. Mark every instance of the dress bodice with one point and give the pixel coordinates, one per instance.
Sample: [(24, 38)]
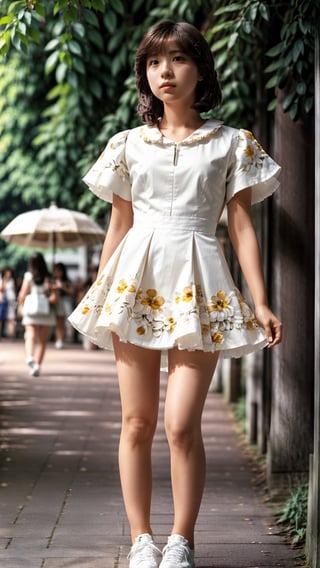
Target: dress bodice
[(192, 179)]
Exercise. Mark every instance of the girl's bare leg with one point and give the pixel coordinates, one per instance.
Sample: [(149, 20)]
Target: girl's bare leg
[(190, 374), (60, 328), (30, 336), (139, 374), (43, 334)]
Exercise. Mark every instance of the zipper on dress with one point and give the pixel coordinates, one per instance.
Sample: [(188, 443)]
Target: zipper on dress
[(175, 155)]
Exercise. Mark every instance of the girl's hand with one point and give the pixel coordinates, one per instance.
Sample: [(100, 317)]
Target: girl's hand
[(270, 323)]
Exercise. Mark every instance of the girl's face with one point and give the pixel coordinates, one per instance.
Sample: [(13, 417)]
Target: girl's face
[(173, 75)]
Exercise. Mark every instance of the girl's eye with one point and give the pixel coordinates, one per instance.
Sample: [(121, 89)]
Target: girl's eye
[(152, 62), (178, 58)]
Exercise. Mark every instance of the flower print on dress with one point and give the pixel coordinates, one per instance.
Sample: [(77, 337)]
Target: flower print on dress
[(220, 308), (89, 302), (249, 319), (188, 302), (119, 167), (152, 314), (117, 163), (253, 153), (122, 296), (148, 312)]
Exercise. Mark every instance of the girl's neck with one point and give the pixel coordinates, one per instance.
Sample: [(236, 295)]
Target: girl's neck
[(178, 126), (183, 118)]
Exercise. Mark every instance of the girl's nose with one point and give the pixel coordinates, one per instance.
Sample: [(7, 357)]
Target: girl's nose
[(166, 69)]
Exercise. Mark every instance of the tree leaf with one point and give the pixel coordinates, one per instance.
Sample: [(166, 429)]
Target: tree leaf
[(308, 104), (301, 88), (52, 44), (91, 18), (75, 47), (6, 19), (78, 65), (110, 20), (118, 6), (51, 62), (61, 72), (287, 101)]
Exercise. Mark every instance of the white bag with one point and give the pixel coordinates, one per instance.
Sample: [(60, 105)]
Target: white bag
[(36, 305)]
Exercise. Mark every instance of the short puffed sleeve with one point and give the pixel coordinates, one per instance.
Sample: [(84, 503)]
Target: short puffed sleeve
[(251, 166), (110, 174)]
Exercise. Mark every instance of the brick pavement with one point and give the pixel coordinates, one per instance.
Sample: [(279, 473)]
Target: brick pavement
[(61, 504)]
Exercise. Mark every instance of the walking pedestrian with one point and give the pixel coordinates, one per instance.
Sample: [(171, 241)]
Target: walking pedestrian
[(164, 289), (8, 299), (64, 305), (37, 296)]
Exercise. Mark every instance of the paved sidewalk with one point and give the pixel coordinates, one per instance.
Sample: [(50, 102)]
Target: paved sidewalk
[(60, 499)]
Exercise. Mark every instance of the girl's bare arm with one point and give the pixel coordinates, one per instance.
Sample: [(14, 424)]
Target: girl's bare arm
[(24, 291), (120, 222), (246, 247)]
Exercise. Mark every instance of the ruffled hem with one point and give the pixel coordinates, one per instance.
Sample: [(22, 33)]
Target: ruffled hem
[(103, 339)]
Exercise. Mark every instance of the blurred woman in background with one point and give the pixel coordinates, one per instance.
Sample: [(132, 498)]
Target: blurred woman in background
[(64, 305), (37, 284)]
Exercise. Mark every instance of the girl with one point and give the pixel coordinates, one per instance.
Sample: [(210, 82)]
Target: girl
[(7, 303), (37, 326), (64, 305), (163, 286)]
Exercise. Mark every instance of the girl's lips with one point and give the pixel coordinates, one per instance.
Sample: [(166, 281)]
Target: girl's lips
[(166, 86)]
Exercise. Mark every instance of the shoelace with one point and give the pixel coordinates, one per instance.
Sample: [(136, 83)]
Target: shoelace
[(176, 552)]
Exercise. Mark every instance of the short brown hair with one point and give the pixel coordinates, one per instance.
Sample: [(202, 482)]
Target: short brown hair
[(192, 43)]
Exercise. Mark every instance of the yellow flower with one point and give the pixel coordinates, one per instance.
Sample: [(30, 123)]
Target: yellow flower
[(85, 309), (249, 152), (248, 134), (171, 324), (151, 292), (131, 288), (107, 308), (152, 300), (217, 337), (177, 299), (122, 286), (187, 294), (141, 330), (219, 302), (99, 282)]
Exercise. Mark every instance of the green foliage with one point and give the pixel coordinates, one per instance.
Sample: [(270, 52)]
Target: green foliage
[(260, 46), (294, 514), (67, 85), (240, 412), (292, 67)]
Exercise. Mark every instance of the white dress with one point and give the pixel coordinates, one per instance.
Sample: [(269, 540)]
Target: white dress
[(168, 284)]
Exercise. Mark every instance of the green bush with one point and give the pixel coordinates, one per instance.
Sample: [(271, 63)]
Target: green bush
[(294, 514)]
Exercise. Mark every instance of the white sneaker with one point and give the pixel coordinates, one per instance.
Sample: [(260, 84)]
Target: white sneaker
[(177, 553), (144, 553), (31, 364), (59, 344), (35, 371)]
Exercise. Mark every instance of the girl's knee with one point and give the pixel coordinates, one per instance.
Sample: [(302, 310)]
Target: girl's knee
[(138, 430), (181, 437)]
